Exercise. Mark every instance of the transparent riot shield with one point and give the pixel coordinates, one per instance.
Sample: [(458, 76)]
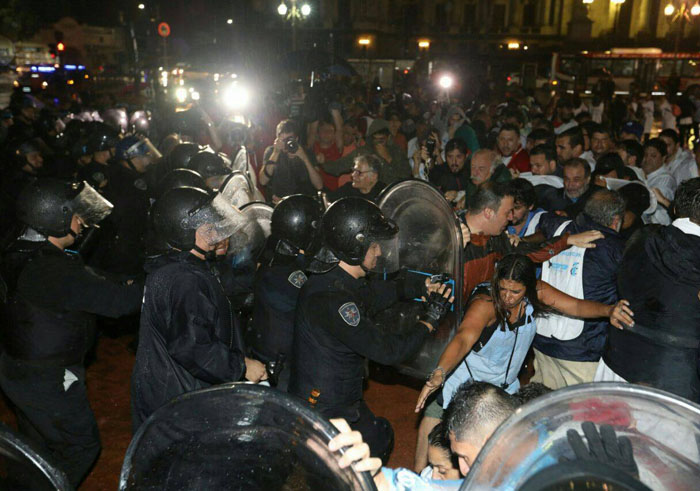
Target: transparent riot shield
[(22, 468), (530, 450), (257, 229), (430, 242), (236, 436), (236, 189)]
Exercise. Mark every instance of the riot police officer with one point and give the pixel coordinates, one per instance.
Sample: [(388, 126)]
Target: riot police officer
[(120, 246), (334, 326), (189, 337), (101, 143), (49, 323), (277, 283)]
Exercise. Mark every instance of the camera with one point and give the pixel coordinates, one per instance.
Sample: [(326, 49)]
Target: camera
[(430, 145), (291, 144)]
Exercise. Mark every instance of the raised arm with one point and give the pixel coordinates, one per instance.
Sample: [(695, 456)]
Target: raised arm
[(478, 316), (620, 314)]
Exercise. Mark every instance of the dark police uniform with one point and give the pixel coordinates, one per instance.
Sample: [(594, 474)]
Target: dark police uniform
[(277, 288), (189, 337), (121, 236), (49, 326), (334, 333)]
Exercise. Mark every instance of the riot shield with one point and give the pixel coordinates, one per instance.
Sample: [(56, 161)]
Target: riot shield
[(22, 468), (236, 189), (531, 450), (430, 242), (236, 436), (257, 229)]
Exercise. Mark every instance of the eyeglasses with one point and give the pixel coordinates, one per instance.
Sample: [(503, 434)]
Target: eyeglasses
[(358, 171)]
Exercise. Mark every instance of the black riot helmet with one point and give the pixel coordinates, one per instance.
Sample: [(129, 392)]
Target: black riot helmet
[(349, 227), (180, 156), (294, 222), (208, 164), (101, 137), (178, 178), (179, 213), (116, 118), (47, 205)]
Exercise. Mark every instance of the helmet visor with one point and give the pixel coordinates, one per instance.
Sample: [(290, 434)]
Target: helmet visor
[(90, 205), (218, 220), (382, 256)]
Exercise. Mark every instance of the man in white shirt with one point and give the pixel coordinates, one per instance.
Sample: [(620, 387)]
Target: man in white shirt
[(655, 153), (680, 163)]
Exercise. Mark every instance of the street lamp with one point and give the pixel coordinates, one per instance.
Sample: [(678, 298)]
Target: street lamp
[(229, 21), (294, 13), (682, 14), (424, 43), (141, 6)]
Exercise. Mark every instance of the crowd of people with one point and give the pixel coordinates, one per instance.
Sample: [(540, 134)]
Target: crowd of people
[(580, 227)]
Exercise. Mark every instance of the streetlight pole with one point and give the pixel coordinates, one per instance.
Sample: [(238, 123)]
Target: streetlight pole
[(682, 14), (295, 13)]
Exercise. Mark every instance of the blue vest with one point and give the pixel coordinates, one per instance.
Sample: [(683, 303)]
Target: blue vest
[(491, 362)]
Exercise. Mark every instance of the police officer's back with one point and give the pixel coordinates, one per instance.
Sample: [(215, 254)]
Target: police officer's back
[(189, 337), (277, 283), (49, 321)]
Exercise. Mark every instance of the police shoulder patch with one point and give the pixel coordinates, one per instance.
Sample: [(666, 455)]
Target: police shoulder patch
[(297, 278), (350, 313)]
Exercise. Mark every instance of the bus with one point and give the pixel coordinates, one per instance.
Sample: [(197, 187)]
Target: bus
[(649, 68)]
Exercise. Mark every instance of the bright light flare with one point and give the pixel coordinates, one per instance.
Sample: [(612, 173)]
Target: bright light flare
[(669, 9), (194, 95), (695, 10), (229, 21), (423, 43), (141, 6), (306, 10), (446, 81), (364, 41), (236, 97), (181, 95), (282, 9)]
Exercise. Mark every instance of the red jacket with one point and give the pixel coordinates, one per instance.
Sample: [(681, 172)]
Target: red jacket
[(520, 161)]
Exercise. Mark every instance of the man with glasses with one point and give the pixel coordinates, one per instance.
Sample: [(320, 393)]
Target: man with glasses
[(394, 164), (365, 180)]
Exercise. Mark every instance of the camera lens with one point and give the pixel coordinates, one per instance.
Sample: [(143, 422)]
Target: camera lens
[(292, 145)]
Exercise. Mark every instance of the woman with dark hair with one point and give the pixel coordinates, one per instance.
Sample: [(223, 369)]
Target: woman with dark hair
[(499, 326)]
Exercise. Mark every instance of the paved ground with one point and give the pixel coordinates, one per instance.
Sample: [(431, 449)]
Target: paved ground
[(388, 394)]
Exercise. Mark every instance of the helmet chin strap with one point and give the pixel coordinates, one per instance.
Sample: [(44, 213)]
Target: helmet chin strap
[(208, 255)]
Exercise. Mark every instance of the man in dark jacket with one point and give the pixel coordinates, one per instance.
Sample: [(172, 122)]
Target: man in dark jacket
[(49, 321), (567, 350), (189, 336), (660, 276), (334, 326)]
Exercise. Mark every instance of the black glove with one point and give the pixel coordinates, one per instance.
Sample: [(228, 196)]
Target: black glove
[(436, 309), (604, 447), (411, 285)]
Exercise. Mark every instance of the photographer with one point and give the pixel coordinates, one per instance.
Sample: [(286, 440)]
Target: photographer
[(287, 169), (427, 156)]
